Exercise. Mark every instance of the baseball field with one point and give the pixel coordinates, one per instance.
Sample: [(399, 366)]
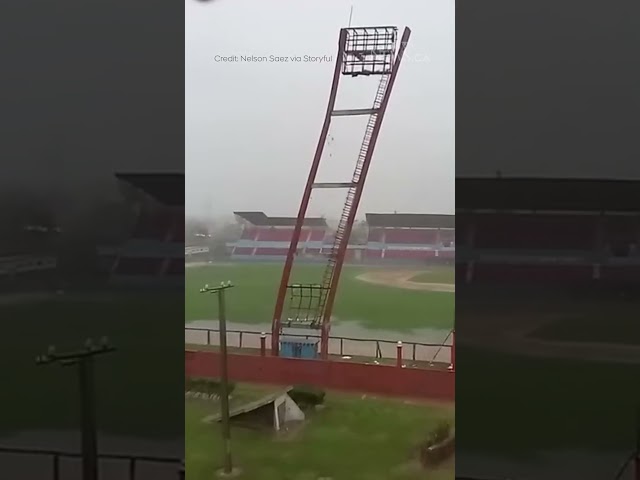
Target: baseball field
[(395, 299), (381, 434), (150, 345), (556, 374), (149, 356), (510, 400), (521, 375)]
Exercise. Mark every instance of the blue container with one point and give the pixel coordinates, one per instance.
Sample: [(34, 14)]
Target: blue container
[(296, 347)]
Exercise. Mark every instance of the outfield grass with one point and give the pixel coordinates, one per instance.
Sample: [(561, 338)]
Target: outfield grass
[(516, 403), (374, 306), (511, 403), (135, 386), (436, 275), (353, 438), (618, 328)]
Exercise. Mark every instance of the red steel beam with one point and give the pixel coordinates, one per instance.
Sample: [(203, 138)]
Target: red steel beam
[(342, 248), (304, 204)]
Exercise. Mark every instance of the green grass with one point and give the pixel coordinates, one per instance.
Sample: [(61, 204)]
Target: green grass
[(436, 275), (353, 438), (513, 403), (374, 306), (618, 328), (138, 387), (517, 403)]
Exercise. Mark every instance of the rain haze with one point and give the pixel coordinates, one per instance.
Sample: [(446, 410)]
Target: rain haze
[(251, 127)]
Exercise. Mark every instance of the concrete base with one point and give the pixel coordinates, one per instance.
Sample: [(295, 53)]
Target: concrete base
[(235, 472)]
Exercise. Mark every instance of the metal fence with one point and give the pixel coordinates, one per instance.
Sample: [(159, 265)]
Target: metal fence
[(131, 463), (342, 346)]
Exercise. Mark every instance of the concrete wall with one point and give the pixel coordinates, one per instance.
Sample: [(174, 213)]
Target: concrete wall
[(375, 379)]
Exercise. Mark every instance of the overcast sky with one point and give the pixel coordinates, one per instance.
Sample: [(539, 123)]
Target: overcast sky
[(251, 128)]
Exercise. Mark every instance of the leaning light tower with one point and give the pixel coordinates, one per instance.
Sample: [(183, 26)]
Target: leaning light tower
[(362, 51)]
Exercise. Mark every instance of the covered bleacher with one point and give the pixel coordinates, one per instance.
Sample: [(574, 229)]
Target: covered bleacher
[(268, 238), (410, 237), (558, 229), (28, 244), (154, 252)]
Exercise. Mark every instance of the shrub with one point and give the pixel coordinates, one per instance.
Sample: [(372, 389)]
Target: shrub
[(441, 432), (306, 396), (206, 385), (439, 445)]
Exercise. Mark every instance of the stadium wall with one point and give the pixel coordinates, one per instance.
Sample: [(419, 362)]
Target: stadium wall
[(357, 377)]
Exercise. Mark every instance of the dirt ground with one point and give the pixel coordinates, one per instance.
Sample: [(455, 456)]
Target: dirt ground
[(402, 279), (501, 333)]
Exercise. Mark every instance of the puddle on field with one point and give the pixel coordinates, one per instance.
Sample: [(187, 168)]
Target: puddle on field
[(359, 341)]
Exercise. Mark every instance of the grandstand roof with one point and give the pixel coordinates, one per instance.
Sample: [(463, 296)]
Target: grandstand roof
[(166, 188), (547, 194), (260, 219), (411, 220)]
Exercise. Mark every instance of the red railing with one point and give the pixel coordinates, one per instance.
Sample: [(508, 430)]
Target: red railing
[(131, 462), (342, 346)]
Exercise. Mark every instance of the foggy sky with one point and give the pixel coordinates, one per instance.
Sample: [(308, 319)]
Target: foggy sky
[(87, 91), (251, 128), (548, 89)]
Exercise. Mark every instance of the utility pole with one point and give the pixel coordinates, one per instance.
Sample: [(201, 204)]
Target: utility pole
[(224, 380), (84, 360)]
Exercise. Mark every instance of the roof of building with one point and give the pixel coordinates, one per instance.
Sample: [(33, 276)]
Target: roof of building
[(166, 188), (547, 194), (260, 219), (411, 220)]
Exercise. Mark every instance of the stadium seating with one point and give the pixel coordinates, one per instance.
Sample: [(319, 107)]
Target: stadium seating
[(243, 250), (165, 229), (249, 233), (408, 254), (486, 272), (447, 254), (175, 267), (555, 248), (316, 235), (541, 232), (447, 237), (268, 241), (620, 273), (411, 237), (178, 232), (275, 235), (263, 237), (271, 251), (591, 234), (391, 244), (153, 226), (139, 266)]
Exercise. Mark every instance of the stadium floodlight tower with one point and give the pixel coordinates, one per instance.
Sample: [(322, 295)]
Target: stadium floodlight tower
[(362, 51)]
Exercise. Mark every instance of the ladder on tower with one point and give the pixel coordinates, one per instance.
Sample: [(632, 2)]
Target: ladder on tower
[(339, 238)]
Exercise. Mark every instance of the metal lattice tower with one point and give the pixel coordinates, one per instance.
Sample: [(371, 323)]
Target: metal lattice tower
[(361, 51)]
